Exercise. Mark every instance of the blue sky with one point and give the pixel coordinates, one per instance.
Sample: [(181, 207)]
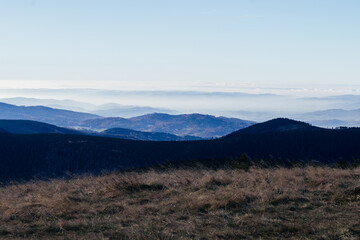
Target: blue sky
[(187, 44)]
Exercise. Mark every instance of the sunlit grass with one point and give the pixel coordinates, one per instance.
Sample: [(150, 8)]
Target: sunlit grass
[(308, 203)]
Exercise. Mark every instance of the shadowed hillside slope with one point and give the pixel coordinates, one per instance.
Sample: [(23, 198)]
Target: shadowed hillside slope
[(26, 156), (275, 126), (32, 127), (3, 131)]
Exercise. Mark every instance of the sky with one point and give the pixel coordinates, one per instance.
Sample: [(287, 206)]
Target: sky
[(200, 45)]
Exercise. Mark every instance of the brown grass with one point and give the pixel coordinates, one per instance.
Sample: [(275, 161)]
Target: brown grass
[(298, 203)]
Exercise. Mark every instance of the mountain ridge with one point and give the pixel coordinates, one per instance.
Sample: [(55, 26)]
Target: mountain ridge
[(276, 125), (53, 155), (199, 125), (106, 110), (43, 114)]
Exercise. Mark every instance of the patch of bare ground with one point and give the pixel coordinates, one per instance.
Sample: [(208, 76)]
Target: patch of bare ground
[(296, 203)]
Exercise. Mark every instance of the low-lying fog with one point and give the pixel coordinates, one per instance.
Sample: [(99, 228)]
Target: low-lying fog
[(255, 104)]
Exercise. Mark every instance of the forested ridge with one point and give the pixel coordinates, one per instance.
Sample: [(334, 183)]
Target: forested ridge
[(48, 155)]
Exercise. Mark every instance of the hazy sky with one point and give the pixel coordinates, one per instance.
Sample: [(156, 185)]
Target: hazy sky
[(187, 44)]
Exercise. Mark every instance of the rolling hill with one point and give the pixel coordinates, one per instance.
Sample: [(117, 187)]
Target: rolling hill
[(276, 125), (43, 114), (204, 126), (34, 127)]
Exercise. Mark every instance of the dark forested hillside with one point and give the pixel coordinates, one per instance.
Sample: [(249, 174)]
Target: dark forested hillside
[(276, 125), (3, 131), (32, 127), (25, 156)]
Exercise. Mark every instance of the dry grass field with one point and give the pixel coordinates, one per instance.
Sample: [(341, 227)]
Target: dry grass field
[(279, 203)]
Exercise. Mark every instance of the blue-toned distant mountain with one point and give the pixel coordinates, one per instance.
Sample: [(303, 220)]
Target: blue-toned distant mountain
[(32, 127), (43, 114), (328, 118), (119, 110), (199, 125), (332, 117), (335, 114), (144, 136), (105, 110), (52, 103)]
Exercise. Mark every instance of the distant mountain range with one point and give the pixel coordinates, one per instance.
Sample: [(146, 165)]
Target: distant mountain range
[(44, 114), (332, 117), (105, 110), (33, 127), (204, 126), (118, 110), (278, 140), (71, 105), (326, 118), (197, 125), (329, 118)]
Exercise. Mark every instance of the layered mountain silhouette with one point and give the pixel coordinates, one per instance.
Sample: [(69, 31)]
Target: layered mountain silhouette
[(53, 155), (332, 117), (118, 110), (43, 114), (34, 127), (105, 110), (199, 125)]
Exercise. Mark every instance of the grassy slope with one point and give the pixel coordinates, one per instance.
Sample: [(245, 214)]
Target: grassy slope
[(309, 203)]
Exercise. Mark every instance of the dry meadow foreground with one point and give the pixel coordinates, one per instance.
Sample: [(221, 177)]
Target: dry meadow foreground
[(296, 203)]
